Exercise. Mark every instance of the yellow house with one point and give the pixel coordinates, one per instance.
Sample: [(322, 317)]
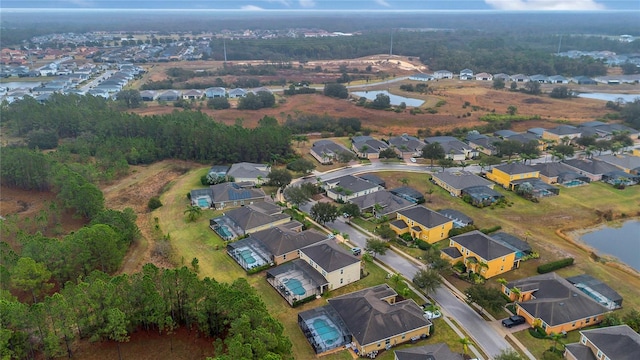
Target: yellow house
[(370, 319), (339, 267), (636, 152), (422, 223), (480, 254), (553, 303), (605, 343), (506, 174)]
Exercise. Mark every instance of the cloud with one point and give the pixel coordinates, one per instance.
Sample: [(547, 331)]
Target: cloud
[(251, 8), (81, 3), (307, 3), (574, 5), (382, 3), (286, 3)]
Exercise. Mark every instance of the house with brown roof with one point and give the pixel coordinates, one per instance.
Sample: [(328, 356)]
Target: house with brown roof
[(369, 320), (610, 343), (553, 303)]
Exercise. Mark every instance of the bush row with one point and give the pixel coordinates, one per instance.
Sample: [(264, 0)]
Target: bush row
[(554, 265)]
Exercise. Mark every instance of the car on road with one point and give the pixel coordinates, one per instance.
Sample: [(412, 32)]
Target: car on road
[(430, 315), (513, 321), (412, 159), (356, 251)]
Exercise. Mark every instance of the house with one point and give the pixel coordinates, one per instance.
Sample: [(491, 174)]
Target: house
[(598, 290), (483, 143), (148, 95), (519, 78), (534, 188), (260, 89), (249, 172), (537, 132), (502, 76), (370, 320), (408, 193), (219, 170), (606, 131), (614, 342), (560, 173), (561, 133), (459, 219), (455, 181), (507, 174), (636, 152), (373, 179), (422, 223), (593, 169), (192, 94), (367, 147), (553, 303), (466, 74), (483, 76), (215, 92), (526, 138), (620, 178), (233, 194), (274, 246), (481, 196), (381, 203), (627, 163), (443, 74), (584, 80), (348, 187), (327, 151), (505, 133), (248, 219), (539, 78), (557, 79), (169, 95), (237, 92), (338, 266), (406, 146), (513, 242), (454, 149), (480, 254), (438, 351), (422, 77)]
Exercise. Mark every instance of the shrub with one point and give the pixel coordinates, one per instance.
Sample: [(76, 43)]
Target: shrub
[(422, 245), (491, 229), (154, 203), (554, 265), (538, 333)]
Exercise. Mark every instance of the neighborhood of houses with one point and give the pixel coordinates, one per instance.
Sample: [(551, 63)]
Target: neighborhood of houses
[(303, 264)]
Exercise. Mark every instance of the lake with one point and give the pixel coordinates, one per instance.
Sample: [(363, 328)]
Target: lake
[(622, 242), (395, 99), (610, 97)]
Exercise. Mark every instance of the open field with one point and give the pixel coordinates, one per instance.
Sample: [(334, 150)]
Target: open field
[(574, 208)]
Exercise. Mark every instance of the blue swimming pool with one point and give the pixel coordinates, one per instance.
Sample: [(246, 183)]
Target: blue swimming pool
[(295, 286), (573, 183), (222, 230), (327, 333), (247, 255), (202, 202)]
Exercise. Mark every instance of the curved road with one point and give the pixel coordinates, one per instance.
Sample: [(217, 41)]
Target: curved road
[(490, 339)]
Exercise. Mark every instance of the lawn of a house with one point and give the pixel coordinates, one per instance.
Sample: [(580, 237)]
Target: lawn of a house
[(538, 346)]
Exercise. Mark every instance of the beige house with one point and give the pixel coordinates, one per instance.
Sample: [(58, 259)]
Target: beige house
[(339, 267)]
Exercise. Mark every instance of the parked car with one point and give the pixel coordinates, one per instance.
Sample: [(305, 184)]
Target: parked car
[(513, 321), (412, 160), (356, 251), (430, 315)]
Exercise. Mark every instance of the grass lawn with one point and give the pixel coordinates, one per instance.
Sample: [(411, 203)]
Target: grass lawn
[(538, 346), (368, 225)]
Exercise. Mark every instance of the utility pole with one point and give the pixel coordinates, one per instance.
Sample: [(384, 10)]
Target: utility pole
[(224, 45), (391, 46)]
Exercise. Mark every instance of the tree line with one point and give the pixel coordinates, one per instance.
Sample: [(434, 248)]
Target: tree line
[(93, 126), (99, 307)]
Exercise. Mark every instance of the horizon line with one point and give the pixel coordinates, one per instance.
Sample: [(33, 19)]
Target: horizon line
[(358, 11)]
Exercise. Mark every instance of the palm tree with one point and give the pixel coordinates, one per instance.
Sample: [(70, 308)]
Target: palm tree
[(465, 342), (396, 278), (193, 213), (515, 291), (556, 340)]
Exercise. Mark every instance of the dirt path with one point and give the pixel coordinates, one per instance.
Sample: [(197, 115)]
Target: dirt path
[(134, 191)]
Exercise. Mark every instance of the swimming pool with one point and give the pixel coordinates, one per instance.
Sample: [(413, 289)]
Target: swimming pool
[(573, 183), (222, 230), (203, 202), (247, 255), (327, 333), (295, 286)]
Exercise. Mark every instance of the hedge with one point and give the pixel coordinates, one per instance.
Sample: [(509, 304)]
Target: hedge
[(422, 245), (554, 265), (491, 229)]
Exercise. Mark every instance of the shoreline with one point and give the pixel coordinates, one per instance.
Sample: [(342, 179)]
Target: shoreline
[(572, 236)]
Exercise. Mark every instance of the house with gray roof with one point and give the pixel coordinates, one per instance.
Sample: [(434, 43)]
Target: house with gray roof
[(513, 242), (519, 78), (148, 95), (620, 178), (249, 172), (560, 173), (459, 219), (327, 151), (247, 219), (422, 223), (539, 78), (505, 133), (562, 132), (483, 143), (455, 181), (233, 194), (557, 79), (237, 92), (215, 92), (466, 74), (438, 351), (592, 168), (372, 178), (348, 187), (422, 77), (381, 203), (584, 80), (502, 76), (481, 196), (606, 131), (406, 146), (537, 131), (338, 266), (443, 74), (598, 290), (192, 94), (554, 303), (408, 193), (367, 147), (627, 163), (480, 254), (169, 95), (454, 149), (614, 342), (297, 281)]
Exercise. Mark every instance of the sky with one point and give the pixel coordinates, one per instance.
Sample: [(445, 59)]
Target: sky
[(335, 5)]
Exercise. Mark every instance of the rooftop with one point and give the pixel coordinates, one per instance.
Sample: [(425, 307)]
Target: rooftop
[(515, 168), (330, 256), (461, 179), (482, 245), (424, 216)]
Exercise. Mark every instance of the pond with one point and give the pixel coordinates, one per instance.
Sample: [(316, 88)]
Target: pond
[(622, 242), (610, 97), (395, 99)]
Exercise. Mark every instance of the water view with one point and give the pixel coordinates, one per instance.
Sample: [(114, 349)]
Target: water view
[(622, 242), (610, 97), (395, 99)]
